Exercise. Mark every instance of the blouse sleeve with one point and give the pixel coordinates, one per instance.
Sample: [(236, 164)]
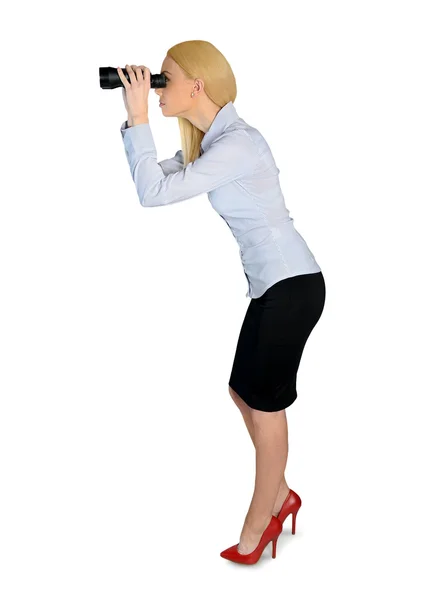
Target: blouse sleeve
[(231, 156), (172, 165)]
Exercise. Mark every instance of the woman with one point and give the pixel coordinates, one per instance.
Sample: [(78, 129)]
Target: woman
[(230, 160)]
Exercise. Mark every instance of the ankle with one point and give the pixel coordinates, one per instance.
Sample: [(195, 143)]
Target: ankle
[(283, 492), (284, 487)]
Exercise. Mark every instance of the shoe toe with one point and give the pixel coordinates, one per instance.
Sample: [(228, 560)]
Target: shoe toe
[(229, 552)]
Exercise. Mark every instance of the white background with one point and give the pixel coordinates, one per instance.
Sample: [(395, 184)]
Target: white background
[(125, 466)]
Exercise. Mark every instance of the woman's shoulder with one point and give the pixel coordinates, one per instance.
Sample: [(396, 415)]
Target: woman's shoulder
[(241, 128)]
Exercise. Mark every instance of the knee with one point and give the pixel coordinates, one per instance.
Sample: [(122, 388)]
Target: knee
[(241, 404), (234, 394)]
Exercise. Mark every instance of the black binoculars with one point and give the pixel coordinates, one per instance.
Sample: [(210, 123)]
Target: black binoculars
[(109, 79)]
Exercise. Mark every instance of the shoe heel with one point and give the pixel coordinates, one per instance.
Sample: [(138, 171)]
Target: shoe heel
[(275, 547), (294, 522)]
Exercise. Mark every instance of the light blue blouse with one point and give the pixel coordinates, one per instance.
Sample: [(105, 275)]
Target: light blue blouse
[(237, 170)]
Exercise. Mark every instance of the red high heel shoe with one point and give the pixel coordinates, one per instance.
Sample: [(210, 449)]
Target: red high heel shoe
[(291, 504), (270, 534)]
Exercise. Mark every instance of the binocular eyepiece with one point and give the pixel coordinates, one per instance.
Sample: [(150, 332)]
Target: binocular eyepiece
[(109, 79)]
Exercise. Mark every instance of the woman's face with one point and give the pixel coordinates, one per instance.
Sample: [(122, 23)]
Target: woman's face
[(176, 96)]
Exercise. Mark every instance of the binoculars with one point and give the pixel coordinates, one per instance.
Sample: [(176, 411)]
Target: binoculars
[(109, 79)]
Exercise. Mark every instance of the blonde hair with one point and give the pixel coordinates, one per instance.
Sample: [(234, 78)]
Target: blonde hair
[(200, 59)]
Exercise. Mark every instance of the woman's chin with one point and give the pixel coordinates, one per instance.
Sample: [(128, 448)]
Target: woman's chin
[(165, 112)]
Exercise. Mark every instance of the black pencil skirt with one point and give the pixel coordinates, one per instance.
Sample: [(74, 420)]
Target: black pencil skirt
[(271, 341)]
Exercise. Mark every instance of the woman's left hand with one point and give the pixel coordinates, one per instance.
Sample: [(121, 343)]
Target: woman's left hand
[(135, 93)]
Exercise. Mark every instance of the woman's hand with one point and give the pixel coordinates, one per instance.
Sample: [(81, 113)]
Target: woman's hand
[(135, 93)]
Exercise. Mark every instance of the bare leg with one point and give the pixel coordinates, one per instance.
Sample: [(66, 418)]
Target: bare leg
[(246, 412), (270, 430)]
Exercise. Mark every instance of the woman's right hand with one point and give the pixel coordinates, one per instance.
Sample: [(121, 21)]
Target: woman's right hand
[(129, 122), (124, 99)]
